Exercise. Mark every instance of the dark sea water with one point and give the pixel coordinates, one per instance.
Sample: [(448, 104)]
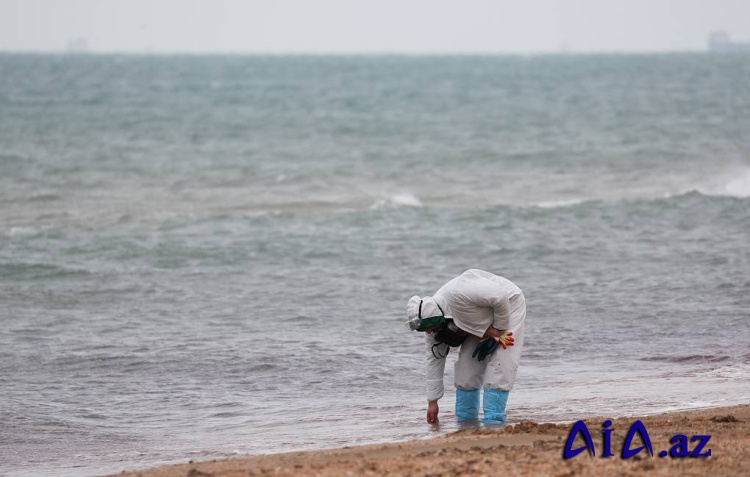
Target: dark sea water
[(209, 256)]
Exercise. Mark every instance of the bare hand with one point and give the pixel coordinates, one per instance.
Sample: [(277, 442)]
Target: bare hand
[(432, 412)]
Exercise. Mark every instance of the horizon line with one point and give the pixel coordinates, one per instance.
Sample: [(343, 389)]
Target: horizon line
[(63, 52)]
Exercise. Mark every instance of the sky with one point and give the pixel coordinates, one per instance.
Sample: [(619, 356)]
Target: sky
[(368, 26)]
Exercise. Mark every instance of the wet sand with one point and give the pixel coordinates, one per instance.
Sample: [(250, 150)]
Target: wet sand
[(524, 449)]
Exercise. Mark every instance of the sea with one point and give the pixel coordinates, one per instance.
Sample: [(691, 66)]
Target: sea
[(210, 256)]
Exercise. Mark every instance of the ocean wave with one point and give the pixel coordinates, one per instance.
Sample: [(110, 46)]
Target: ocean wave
[(35, 271), (262, 368), (736, 184), (736, 371), (398, 200), (739, 186), (175, 213), (554, 204), (695, 358), (590, 201), (44, 197), (26, 231)]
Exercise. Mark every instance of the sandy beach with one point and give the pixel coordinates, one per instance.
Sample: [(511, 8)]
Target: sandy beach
[(527, 448)]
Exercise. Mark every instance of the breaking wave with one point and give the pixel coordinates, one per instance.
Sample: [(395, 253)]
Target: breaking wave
[(398, 200), (695, 358), (738, 185)]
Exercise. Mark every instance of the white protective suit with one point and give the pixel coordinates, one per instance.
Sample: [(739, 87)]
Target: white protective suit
[(476, 300)]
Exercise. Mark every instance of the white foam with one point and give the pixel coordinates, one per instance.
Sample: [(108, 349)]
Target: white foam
[(739, 186), (736, 184), (23, 231), (409, 200), (554, 204), (398, 200), (737, 371)]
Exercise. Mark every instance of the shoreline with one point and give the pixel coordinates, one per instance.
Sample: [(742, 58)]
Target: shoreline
[(526, 448)]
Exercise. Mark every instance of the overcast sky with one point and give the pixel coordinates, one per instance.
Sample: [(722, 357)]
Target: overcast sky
[(366, 26)]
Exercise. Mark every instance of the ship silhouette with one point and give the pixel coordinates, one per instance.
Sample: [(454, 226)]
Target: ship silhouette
[(720, 41)]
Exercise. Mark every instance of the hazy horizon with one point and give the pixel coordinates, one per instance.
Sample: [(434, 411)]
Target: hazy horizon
[(373, 54), (438, 27)]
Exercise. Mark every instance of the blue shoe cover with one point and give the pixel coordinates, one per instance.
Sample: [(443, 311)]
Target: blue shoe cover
[(467, 405), (494, 406)]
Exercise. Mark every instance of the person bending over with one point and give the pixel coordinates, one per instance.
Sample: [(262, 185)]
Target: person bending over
[(478, 312)]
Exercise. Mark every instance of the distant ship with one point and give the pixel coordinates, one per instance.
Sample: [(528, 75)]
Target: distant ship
[(720, 41)]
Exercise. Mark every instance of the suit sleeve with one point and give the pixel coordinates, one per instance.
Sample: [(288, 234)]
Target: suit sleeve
[(492, 295), (501, 310), (435, 367)]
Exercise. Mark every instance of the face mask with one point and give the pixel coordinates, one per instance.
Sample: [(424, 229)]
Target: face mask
[(422, 324), (450, 334)]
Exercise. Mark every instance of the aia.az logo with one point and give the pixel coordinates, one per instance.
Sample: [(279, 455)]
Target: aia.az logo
[(680, 445)]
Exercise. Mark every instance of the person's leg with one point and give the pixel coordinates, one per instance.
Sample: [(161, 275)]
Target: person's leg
[(468, 374), (493, 405), (503, 367)]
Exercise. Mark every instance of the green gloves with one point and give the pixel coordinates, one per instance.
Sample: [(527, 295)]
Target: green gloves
[(488, 346), (484, 349)]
